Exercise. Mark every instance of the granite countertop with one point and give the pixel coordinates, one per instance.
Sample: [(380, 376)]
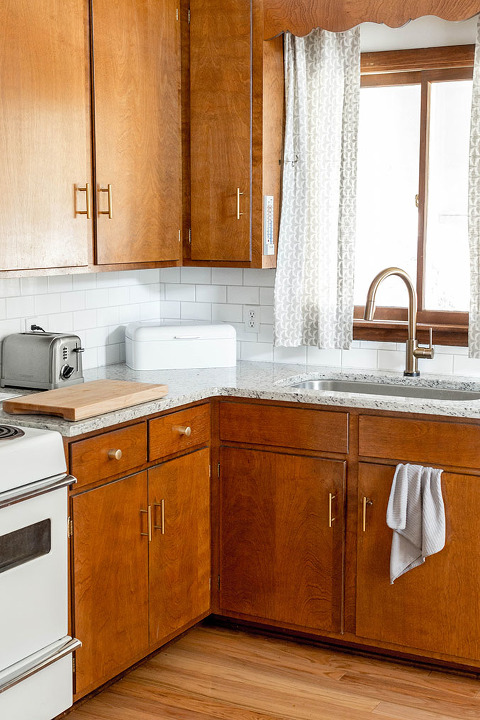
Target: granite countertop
[(266, 381)]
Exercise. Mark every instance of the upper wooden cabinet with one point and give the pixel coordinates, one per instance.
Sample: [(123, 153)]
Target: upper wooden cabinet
[(45, 134), (301, 16), (137, 119), (236, 117)]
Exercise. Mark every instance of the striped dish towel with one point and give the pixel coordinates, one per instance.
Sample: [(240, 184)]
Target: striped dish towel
[(416, 514)]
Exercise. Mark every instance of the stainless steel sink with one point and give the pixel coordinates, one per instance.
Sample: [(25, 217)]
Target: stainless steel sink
[(374, 388)]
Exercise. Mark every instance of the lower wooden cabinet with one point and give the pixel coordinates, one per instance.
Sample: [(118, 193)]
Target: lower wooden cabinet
[(435, 606), (110, 592), (179, 558), (141, 564), (281, 535)]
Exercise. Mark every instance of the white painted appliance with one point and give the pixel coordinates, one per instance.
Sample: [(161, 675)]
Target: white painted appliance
[(35, 648), (175, 345)]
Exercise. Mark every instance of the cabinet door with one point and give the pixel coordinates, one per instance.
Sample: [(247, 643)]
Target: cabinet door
[(137, 130), (432, 607), (179, 493), (110, 577), (281, 558), (45, 133), (220, 116)]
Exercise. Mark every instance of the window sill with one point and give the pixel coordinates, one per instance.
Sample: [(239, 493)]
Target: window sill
[(396, 331)]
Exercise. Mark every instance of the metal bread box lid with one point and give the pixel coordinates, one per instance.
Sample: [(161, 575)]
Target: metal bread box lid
[(162, 345)]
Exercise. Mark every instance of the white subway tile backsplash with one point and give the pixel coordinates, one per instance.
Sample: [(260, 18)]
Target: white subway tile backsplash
[(211, 293), (20, 307), (290, 355), (243, 295), (180, 292), (97, 306), (196, 311), (266, 296), (227, 313), (196, 275), (227, 276), (255, 351)]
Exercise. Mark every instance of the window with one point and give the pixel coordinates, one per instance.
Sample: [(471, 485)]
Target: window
[(412, 189)]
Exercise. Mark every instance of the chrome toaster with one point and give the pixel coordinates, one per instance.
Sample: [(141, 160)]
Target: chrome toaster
[(41, 360)]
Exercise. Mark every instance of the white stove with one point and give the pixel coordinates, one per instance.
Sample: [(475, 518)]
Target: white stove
[(35, 648)]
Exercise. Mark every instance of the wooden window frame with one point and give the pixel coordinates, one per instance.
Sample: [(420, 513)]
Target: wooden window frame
[(419, 67)]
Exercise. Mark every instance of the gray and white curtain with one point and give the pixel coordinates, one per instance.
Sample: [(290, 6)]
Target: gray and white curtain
[(474, 209), (315, 266)]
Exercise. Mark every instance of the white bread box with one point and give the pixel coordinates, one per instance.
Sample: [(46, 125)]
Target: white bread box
[(176, 344)]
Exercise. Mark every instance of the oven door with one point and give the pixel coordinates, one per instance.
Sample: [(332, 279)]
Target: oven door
[(33, 570)]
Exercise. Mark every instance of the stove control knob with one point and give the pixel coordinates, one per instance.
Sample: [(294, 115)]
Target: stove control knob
[(66, 372)]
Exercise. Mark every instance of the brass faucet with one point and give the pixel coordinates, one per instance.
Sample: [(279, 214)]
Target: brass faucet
[(413, 350)]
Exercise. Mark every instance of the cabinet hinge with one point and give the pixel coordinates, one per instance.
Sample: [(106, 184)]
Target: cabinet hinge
[(218, 469), (177, 15), (209, 583), (74, 664), (218, 582), (69, 527), (179, 236), (188, 16), (209, 471), (189, 236)]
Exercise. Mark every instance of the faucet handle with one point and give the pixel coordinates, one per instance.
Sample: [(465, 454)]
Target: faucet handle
[(425, 352)]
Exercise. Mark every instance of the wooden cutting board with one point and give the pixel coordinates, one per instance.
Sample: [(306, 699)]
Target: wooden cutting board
[(86, 399)]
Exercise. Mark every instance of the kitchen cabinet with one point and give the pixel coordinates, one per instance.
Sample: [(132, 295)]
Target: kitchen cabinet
[(236, 118), (137, 125), (179, 554), (141, 561), (116, 70), (110, 589), (45, 142), (281, 530), (435, 606)]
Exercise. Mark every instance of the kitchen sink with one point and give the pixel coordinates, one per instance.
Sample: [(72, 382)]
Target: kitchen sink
[(375, 388)]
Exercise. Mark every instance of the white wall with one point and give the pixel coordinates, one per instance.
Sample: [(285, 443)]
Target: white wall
[(98, 306)]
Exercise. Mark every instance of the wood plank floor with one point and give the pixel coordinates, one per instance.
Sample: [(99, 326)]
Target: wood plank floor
[(217, 673)]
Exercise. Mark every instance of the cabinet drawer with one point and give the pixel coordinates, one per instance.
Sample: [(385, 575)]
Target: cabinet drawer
[(285, 427), (98, 457), (438, 443), (179, 431)]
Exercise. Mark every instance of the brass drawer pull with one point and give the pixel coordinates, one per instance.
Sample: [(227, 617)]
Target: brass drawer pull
[(148, 513), (366, 501), (108, 212), (331, 498), (182, 430), (160, 527), (115, 454), (88, 191)]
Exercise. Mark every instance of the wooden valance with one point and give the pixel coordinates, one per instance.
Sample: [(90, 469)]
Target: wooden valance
[(301, 16)]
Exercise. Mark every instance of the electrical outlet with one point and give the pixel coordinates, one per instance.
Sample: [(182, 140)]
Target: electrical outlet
[(251, 318)]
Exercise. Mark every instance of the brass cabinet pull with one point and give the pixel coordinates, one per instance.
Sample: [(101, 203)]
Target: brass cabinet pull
[(182, 430), (148, 513), (331, 498), (366, 501), (108, 212), (160, 527), (239, 214), (88, 191), (115, 454)]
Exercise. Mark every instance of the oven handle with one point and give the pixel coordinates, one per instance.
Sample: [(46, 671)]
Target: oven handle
[(68, 647), (37, 488)]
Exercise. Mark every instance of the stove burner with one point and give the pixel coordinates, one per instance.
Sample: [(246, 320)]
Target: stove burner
[(8, 432)]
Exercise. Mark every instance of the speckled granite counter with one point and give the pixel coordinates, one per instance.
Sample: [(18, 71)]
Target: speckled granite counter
[(254, 380)]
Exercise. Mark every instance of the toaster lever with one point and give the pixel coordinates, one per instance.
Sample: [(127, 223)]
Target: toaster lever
[(79, 350)]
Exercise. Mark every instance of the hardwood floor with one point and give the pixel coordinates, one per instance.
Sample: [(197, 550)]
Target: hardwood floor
[(231, 675)]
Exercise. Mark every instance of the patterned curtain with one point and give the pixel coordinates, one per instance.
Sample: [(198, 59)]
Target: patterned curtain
[(474, 209), (315, 267)]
